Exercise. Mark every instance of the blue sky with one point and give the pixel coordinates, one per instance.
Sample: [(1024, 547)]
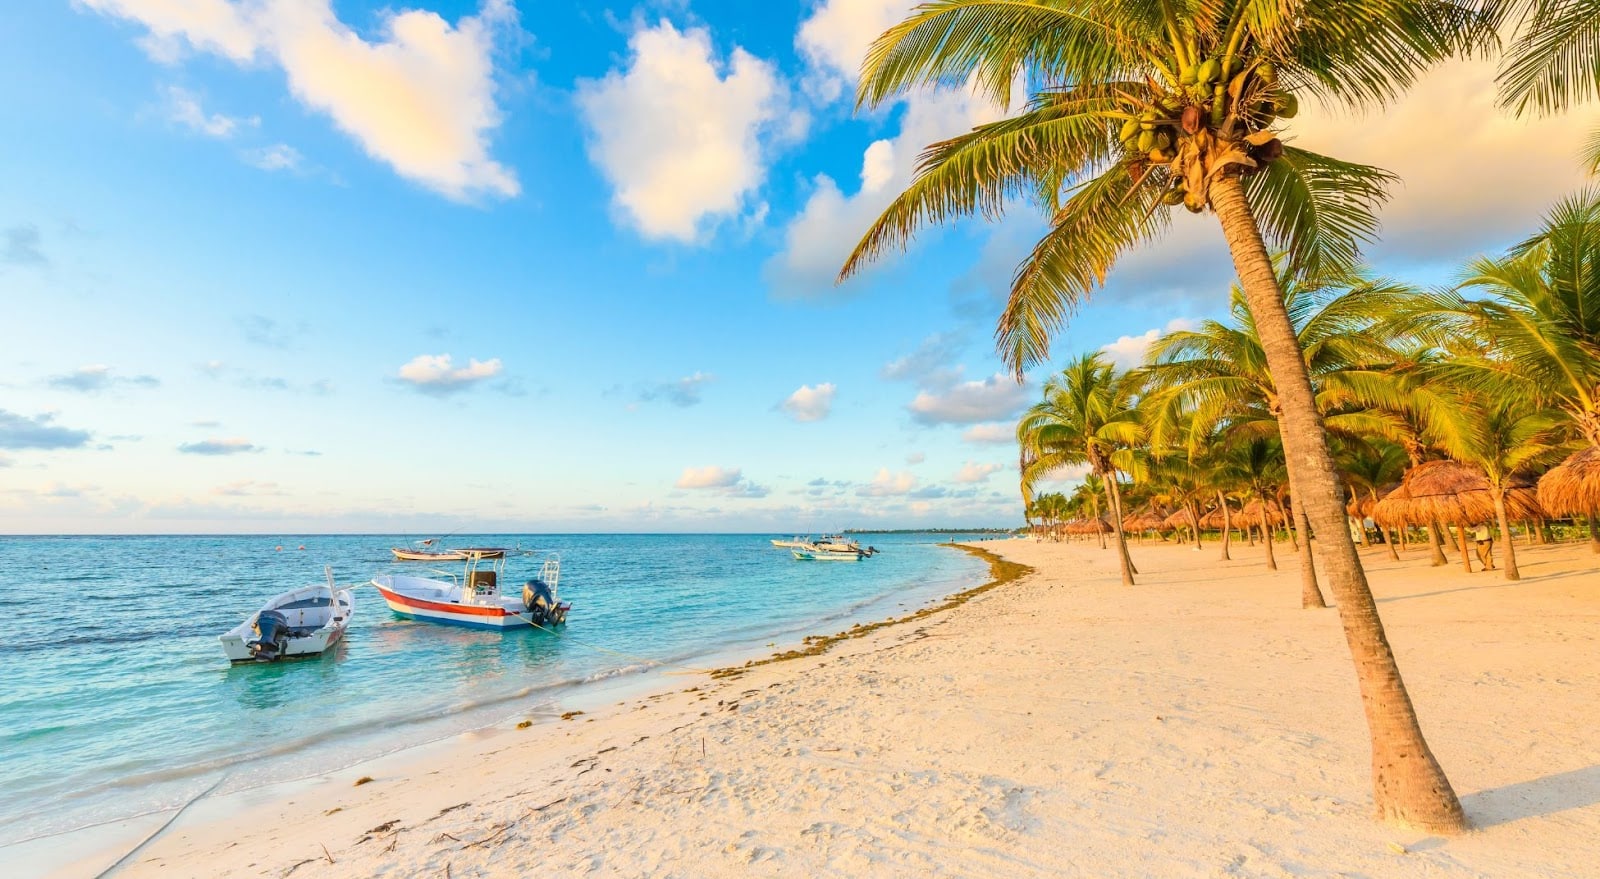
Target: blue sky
[(300, 265)]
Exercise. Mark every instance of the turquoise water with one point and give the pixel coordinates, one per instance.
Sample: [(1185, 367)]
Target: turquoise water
[(116, 699)]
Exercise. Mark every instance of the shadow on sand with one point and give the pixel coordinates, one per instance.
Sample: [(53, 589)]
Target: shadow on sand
[(1537, 798)]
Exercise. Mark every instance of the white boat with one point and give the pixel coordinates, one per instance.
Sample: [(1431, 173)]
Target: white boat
[(814, 555), (300, 622), (793, 543), (474, 598)]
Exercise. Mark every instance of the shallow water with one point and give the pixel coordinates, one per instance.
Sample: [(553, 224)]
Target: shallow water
[(116, 699)]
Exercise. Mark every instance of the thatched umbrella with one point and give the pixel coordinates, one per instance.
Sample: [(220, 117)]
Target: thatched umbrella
[(1255, 512), (1572, 488), (1088, 526), (1213, 519), (1444, 491), (1177, 521)]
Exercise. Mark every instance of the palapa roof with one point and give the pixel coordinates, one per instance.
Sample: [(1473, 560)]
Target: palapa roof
[(1088, 526), (1213, 519), (1572, 487), (1179, 519), (1149, 520), (1254, 511), (1361, 505), (1445, 491)]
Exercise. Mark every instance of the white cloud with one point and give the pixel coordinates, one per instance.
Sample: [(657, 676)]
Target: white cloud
[(916, 458), (930, 365), (835, 39), (992, 399), (682, 136), (821, 236), (975, 472), (420, 97), (184, 108), (887, 484), (278, 157), (709, 477), (436, 374), (724, 481), (1128, 352), (990, 434), (810, 403)]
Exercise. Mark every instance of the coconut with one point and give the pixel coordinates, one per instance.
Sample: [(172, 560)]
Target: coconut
[(1172, 197), (1191, 119), (1130, 130), (1269, 151), (1208, 71), (1286, 105), (1147, 141)]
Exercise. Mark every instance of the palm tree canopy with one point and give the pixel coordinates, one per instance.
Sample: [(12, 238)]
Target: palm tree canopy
[(1136, 106), (1087, 413)]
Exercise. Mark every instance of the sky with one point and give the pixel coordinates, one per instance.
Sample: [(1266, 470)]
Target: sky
[(448, 265)]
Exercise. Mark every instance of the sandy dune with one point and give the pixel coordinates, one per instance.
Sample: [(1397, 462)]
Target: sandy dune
[(1200, 724)]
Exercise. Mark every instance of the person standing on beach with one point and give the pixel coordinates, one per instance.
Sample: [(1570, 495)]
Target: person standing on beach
[(1485, 540)]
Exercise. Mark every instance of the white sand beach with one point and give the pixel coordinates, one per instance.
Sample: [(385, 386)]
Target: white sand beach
[(1199, 724)]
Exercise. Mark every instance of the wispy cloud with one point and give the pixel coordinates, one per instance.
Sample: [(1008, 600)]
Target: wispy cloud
[(277, 157), (38, 432), (258, 329), (22, 246), (226, 446), (680, 392), (886, 484), (436, 374), (810, 403), (89, 379), (1128, 352), (183, 107)]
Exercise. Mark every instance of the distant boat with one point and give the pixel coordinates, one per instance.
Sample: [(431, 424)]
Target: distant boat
[(474, 599), (300, 622), (792, 543), (403, 554)]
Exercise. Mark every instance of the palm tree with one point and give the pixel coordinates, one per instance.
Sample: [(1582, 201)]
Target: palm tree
[(1507, 436), (1370, 465), (1137, 107), (1086, 414), (1552, 63)]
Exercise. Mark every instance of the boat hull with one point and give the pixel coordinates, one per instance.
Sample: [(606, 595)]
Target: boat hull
[(453, 613), (235, 642), (803, 555)]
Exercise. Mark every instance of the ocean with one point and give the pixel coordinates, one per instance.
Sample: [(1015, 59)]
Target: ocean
[(116, 699)]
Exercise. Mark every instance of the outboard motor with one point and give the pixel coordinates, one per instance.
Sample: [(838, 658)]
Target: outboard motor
[(272, 636), (540, 600)]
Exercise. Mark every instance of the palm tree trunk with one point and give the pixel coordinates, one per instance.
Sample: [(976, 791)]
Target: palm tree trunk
[(1194, 516), (1289, 523), (1387, 539), (1227, 524), (1409, 786), (1436, 543), (1310, 595), (1510, 563), (1594, 532), (1466, 554), (1266, 534), (1116, 527)]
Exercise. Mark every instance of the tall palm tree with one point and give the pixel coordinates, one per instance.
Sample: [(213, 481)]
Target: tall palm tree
[(1087, 413), (1137, 106)]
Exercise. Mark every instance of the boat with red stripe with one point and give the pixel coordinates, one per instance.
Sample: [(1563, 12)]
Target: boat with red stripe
[(475, 599)]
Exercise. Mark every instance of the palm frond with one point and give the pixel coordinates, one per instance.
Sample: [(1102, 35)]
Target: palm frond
[(1554, 62), (1318, 210)]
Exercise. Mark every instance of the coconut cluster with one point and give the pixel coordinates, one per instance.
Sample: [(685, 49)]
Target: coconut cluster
[(1220, 104)]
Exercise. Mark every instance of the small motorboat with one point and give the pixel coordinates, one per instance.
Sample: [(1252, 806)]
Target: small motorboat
[(820, 555), (475, 599), (300, 622), (792, 543)]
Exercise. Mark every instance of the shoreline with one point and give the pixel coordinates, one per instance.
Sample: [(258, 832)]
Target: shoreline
[(115, 838), (1199, 724)]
